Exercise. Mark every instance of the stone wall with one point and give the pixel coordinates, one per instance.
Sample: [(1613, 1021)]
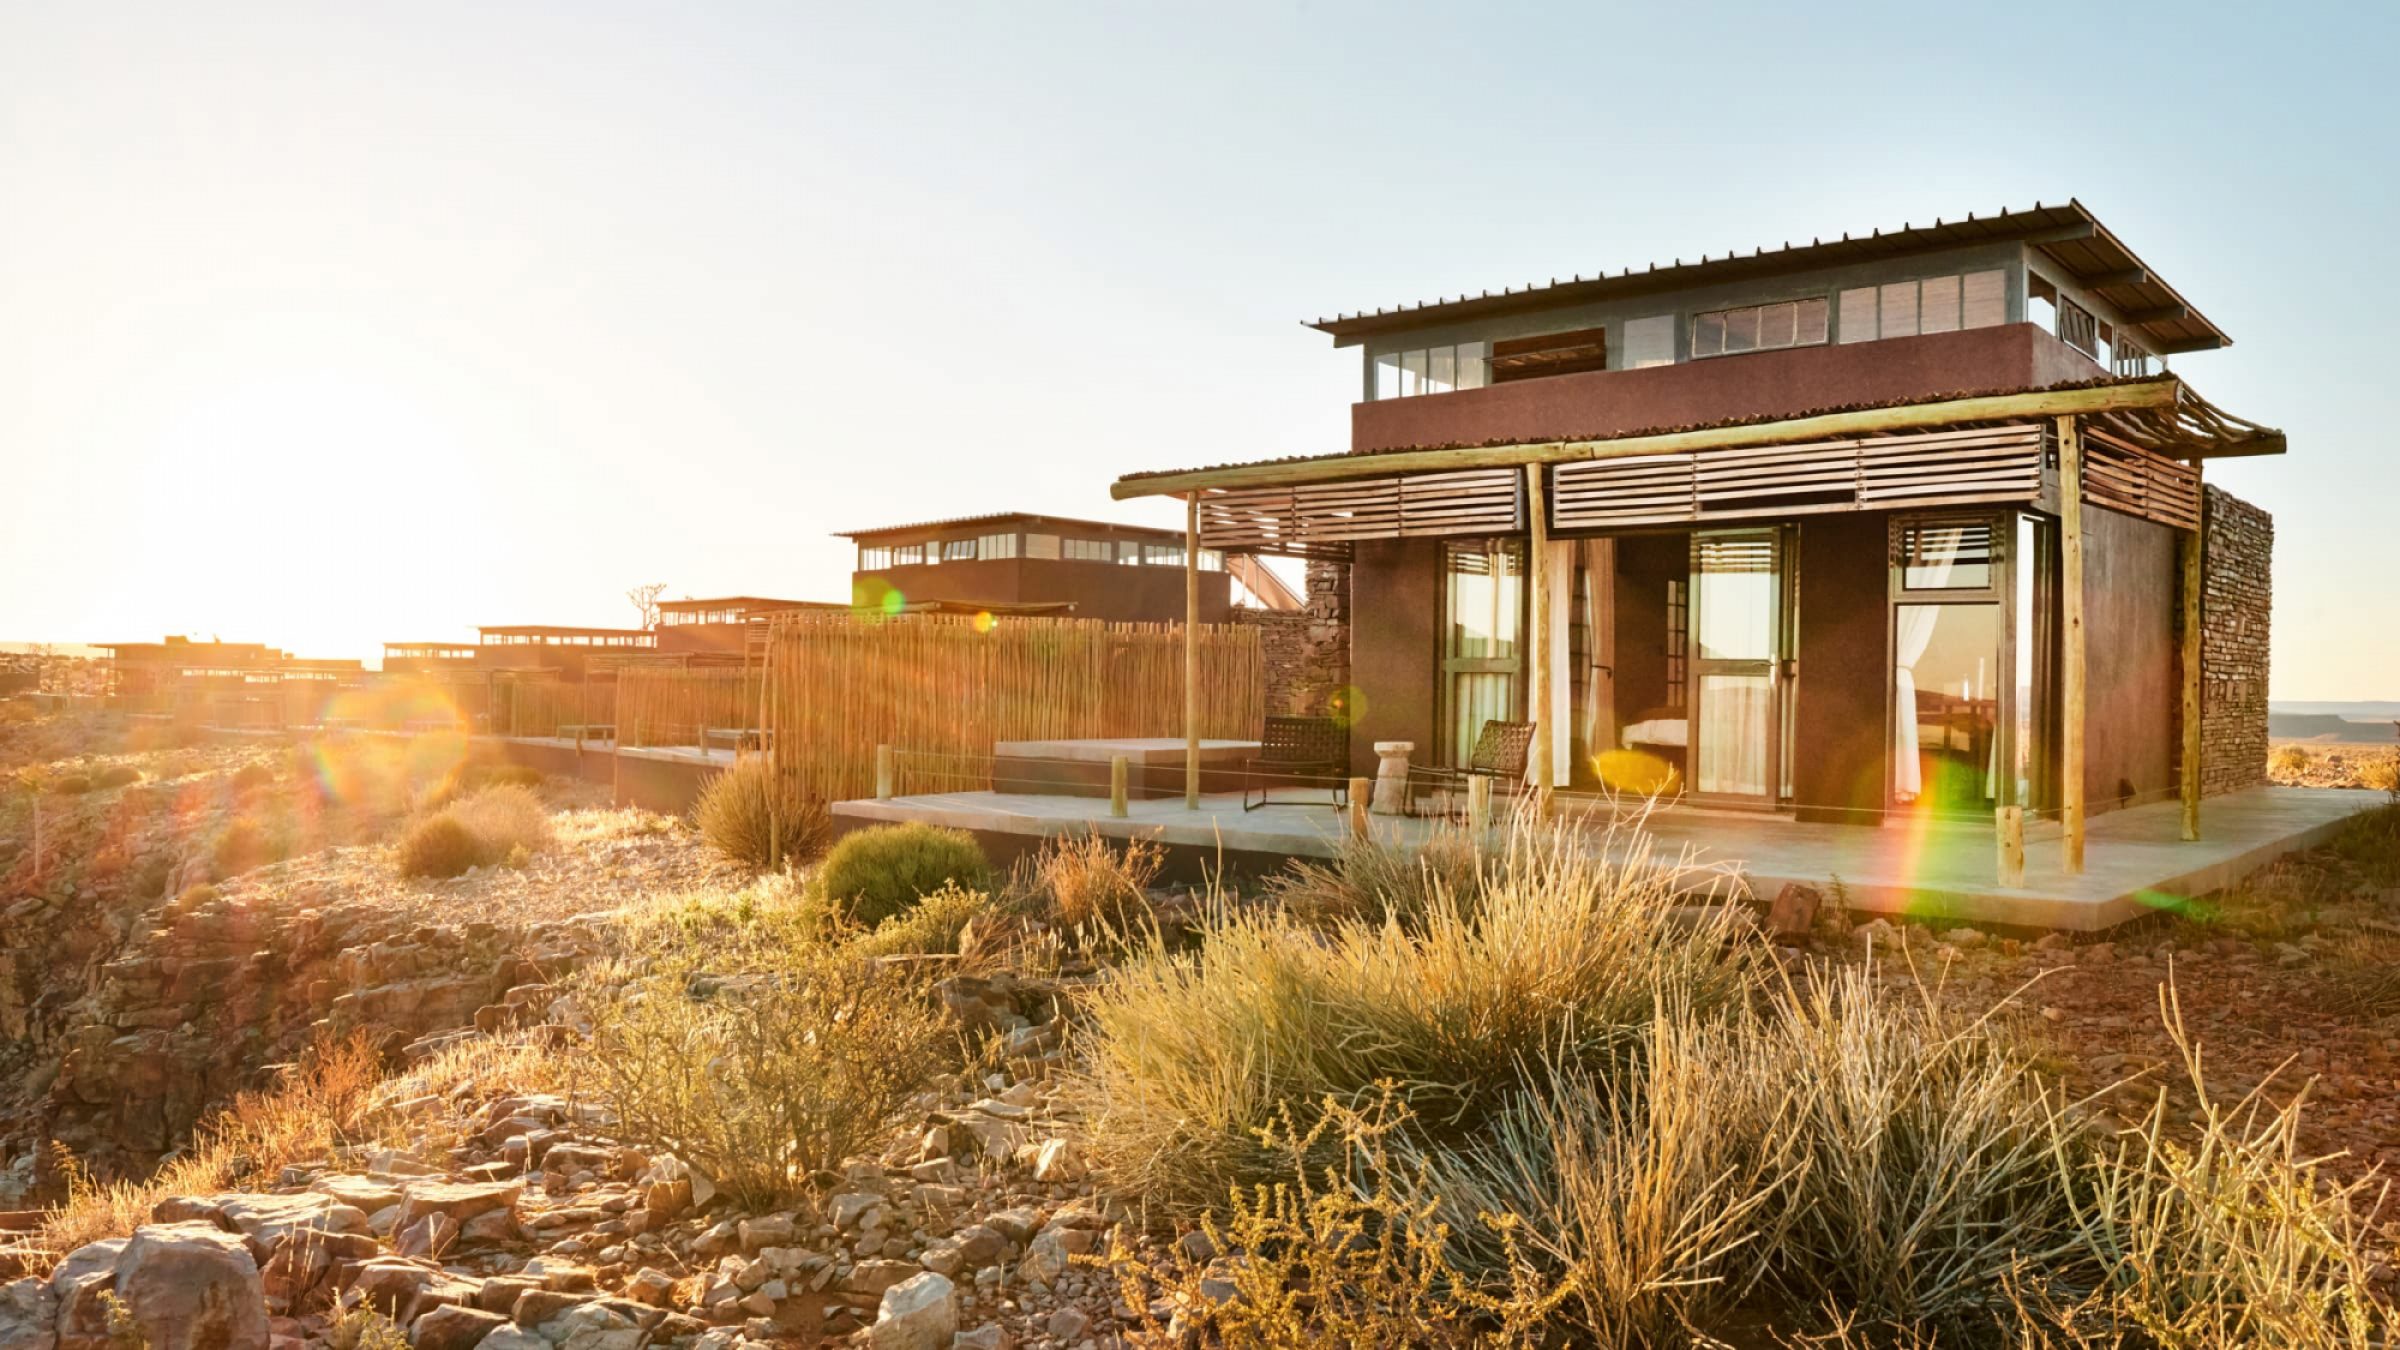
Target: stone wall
[(2237, 601), (1307, 649)]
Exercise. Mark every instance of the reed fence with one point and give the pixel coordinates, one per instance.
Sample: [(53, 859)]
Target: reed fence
[(835, 688), (676, 707)]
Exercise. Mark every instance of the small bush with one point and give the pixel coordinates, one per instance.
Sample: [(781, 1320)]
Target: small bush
[(765, 1077), (71, 784), (879, 871), (513, 775), (931, 927), (2290, 761), (1091, 881), (192, 898), (734, 817), (1370, 878), (2363, 972), (116, 776), (252, 777), (2382, 775), (504, 819), (242, 846), (440, 845)]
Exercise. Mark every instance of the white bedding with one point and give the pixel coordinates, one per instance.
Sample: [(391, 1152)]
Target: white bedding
[(1658, 731)]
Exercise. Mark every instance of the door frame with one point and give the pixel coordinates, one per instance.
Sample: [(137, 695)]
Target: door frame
[(1447, 668), (1777, 666)]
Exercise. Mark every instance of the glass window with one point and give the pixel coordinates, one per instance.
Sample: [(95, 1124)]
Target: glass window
[(1090, 550), (1412, 374), (1951, 555), (1983, 300), (1741, 330), (1471, 358), (1211, 560), (958, 550), (904, 555), (996, 546), (1043, 546), (1758, 328), (874, 559), (1811, 322), (1858, 315), (1441, 370), (1896, 312), (1649, 342), (1946, 706), (1937, 305), (1387, 375), (1708, 334), (1129, 551)]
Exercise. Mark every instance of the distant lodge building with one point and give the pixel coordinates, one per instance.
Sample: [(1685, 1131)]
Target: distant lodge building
[(1027, 562), (176, 665)]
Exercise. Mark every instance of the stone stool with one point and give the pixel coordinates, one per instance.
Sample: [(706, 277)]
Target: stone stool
[(1391, 777)]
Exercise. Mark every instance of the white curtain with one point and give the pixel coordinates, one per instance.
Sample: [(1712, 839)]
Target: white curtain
[(1558, 722), (1732, 755), (1913, 633)]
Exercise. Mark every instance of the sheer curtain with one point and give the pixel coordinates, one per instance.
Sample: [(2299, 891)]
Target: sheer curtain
[(1912, 634)]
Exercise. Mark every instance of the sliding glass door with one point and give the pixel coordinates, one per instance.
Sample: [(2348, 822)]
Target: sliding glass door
[(1970, 691)]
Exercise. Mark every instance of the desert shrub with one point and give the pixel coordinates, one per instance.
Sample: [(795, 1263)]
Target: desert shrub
[(2363, 975), (1369, 878), (874, 873), (929, 927), (242, 845), (1090, 881), (2382, 775), (2289, 761), (1352, 1254), (765, 1076), (504, 819), (2370, 840), (513, 775), (359, 1327), (440, 845), (734, 816), (70, 784), (1568, 957), (468, 779), (116, 776), (192, 898), (252, 777)]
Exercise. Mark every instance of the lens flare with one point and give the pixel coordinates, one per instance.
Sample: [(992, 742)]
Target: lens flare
[(1346, 704), (984, 622), (1637, 773)]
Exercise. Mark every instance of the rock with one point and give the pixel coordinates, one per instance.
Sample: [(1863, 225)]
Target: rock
[(943, 1258), (851, 1210), (981, 1244), (1068, 1324), (1965, 939), (989, 1336), (77, 1284), (28, 1315), (773, 1231), (499, 1294), (507, 1337), (405, 1290), (192, 1286), (654, 1287), (454, 1328), (1045, 1258), (872, 1278), (594, 1327), (1794, 911), (1059, 1161), (1015, 1224), (537, 1306), (269, 1221), (490, 1230), (430, 1236), (460, 1201), (919, 1313)]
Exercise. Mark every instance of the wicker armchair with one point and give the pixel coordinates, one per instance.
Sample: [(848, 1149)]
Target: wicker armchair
[(1298, 748), (1501, 750)]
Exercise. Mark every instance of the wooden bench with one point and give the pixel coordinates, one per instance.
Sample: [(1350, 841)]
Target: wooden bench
[(1298, 748)]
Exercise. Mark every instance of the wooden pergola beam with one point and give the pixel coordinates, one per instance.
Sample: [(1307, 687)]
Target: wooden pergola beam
[(2153, 394), (2131, 276)]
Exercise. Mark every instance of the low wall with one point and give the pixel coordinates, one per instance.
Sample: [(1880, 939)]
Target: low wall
[(2237, 605)]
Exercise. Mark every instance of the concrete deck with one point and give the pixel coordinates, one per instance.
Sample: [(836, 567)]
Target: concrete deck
[(1140, 750), (2135, 863)]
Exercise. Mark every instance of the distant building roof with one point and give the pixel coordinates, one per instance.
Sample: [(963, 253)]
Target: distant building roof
[(2070, 236), (744, 602), (555, 630), (1011, 517)]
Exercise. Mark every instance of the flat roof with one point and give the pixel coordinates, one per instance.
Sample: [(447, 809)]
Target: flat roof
[(745, 602), (2070, 236), (557, 630), (999, 517)]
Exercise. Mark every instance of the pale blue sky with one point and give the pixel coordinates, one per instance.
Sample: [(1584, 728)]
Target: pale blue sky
[(324, 328)]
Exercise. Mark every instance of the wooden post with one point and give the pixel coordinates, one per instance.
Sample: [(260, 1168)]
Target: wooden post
[(1479, 803), (1362, 790), (1191, 652), (1117, 776), (1537, 691), (2193, 541), (887, 774), (2010, 823), (2071, 663)]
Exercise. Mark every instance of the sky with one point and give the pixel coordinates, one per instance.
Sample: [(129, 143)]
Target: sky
[(327, 325)]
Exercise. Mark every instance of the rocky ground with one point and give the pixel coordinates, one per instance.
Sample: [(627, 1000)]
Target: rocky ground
[(2329, 764), (491, 1199)]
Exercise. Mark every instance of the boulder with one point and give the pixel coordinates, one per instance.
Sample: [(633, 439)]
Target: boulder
[(919, 1313), (460, 1201), (28, 1315), (270, 1221), (192, 1286), (1059, 1161), (513, 1338), (1045, 1258), (454, 1328), (590, 1326), (405, 1290), (87, 1273), (1794, 911)]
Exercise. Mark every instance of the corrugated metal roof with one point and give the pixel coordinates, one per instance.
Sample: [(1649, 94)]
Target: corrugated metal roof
[(2070, 236)]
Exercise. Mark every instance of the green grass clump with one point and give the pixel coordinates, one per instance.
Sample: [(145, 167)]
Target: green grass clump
[(931, 927), (741, 817), (879, 871)]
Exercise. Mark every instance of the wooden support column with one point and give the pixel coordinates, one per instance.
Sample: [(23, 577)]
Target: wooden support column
[(2010, 822), (1191, 651), (1537, 689), (1119, 777), (2071, 655), (2193, 585), (1362, 792)]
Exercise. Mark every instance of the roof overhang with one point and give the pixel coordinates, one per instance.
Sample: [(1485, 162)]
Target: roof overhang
[(2160, 414), (2070, 238)]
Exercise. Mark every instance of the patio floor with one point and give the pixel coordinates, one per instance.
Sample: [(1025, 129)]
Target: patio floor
[(2134, 861)]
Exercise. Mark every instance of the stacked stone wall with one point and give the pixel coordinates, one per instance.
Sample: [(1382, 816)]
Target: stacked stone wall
[(1307, 649), (2237, 602)]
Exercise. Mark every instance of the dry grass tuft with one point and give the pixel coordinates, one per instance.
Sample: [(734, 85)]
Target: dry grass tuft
[(2289, 761), (1370, 878), (1094, 883), (735, 816), (507, 823)]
